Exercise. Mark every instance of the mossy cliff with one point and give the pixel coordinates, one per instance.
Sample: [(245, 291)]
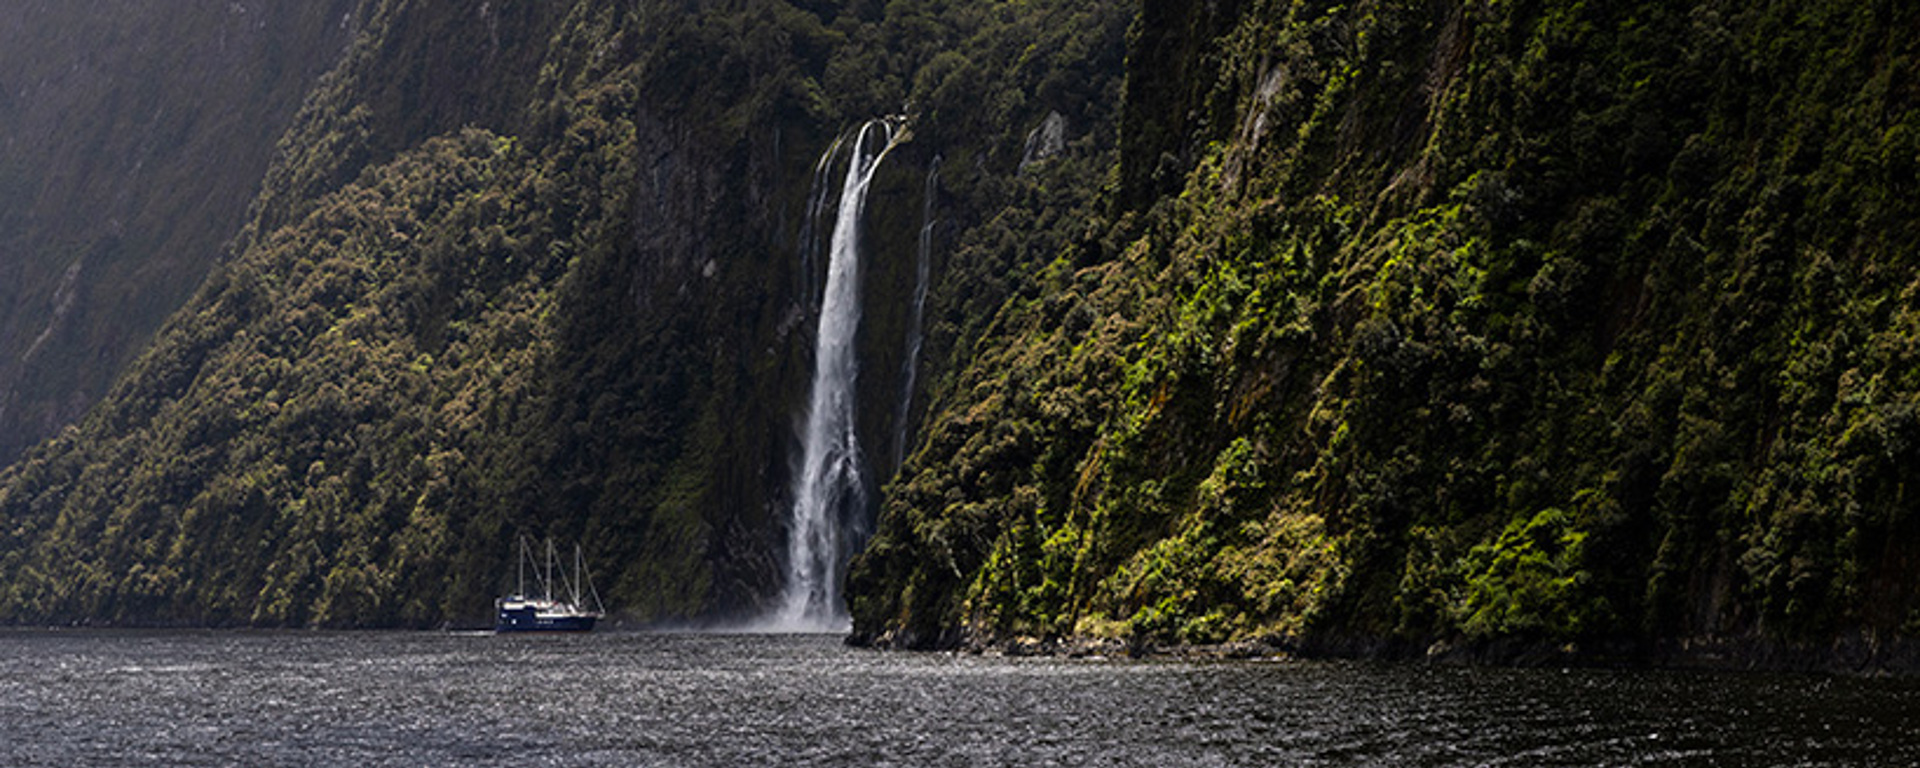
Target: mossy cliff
[(1355, 327), (132, 135), (537, 268), (1587, 325)]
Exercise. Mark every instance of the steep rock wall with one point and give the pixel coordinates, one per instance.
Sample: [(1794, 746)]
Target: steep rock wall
[(1581, 327), (132, 136), (552, 290)]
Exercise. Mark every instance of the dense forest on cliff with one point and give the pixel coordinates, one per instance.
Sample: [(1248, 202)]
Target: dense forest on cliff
[(132, 135), (542, 271), (1371, 326), (1558, 323)]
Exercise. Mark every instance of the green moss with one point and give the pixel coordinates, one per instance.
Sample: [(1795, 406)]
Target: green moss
[(1507, 321), (532, 271)]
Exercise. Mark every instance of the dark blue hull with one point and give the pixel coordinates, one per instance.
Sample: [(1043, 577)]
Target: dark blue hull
[(528, 620)]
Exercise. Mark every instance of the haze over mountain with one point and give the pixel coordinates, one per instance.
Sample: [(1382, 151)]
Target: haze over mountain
[(132, 135)]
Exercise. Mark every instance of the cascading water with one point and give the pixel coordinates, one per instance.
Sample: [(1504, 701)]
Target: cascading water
[(828, 494), (910, 367), (817, 205)]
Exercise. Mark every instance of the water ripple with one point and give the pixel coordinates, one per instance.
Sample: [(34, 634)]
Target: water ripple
[(299, 698)]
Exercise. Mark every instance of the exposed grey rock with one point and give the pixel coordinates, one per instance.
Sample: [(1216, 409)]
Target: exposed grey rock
[(1045, 141)]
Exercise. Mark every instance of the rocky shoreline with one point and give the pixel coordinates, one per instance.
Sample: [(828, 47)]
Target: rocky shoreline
[(1858, 654)]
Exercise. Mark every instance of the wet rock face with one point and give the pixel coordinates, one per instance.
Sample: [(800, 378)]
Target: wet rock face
[(1046, 141), (1395, 340), (131, 136), (536, 268)]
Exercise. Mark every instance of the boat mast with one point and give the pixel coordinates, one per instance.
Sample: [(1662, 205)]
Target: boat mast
[(582, 576), (547, 587), (520, 570), (573, 584)]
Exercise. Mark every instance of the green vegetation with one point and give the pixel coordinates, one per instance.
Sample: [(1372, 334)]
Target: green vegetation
[(1353, 326), (1413, 322), (535, 271), (132, 135)]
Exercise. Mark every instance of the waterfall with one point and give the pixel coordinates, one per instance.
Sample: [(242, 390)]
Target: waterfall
[(817, 200), (828, 494), (910, 367)]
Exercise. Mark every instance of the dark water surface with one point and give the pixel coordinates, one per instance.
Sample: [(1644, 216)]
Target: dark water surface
[(250, 698)]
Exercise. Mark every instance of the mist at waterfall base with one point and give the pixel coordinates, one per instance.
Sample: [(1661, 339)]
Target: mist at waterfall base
[(829, 493), (125, 698)]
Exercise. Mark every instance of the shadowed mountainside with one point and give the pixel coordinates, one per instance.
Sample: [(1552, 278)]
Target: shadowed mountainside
[(1366, 328), (1440, 325), (132, 135), (560, 289)]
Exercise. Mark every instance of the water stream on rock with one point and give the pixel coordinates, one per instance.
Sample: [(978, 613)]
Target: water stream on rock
[(828, 493), (818, 203), (923, 265)]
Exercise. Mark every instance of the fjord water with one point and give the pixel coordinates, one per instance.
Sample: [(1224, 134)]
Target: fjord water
[(107, 698)]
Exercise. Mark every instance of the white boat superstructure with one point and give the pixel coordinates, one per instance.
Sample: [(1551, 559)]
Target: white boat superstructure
[(560, 605)]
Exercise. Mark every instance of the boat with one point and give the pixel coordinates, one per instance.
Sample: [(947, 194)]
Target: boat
[(560, 605)]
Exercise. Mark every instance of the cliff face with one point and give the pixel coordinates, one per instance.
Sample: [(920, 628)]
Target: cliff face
[(1481, 322), (556, 287), (1354, 326), (131, 137)]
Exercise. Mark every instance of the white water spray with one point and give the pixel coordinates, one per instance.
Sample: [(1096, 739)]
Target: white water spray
[(829, 494)]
